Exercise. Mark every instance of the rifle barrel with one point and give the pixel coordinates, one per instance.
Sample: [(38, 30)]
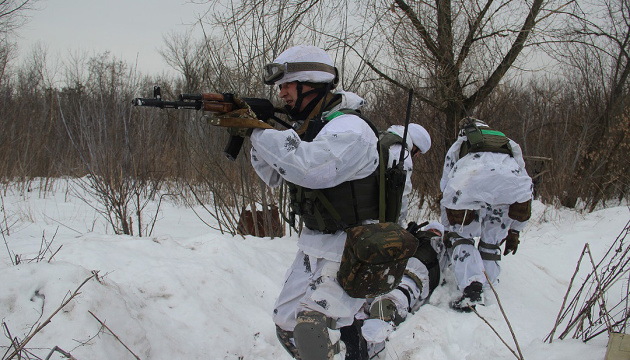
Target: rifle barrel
[(162, 104)]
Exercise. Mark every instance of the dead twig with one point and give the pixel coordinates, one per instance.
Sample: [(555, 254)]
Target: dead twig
[(14, 341), (601, 291), (566, 296), (495, 332), (55, 253), (62, 352), (47, 321), (504, 316), (114, 335)]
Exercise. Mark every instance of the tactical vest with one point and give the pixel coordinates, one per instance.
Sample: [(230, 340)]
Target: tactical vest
[(345, 205), (484, 140)]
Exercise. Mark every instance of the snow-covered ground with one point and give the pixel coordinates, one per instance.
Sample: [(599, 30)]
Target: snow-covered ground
[(189, 292)]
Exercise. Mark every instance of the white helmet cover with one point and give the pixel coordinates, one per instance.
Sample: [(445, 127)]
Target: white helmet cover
[(305, 54), (416, 135), (435, 225)]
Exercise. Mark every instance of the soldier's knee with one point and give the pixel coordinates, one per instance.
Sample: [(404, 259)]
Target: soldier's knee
[(312, 338), (286, 340)]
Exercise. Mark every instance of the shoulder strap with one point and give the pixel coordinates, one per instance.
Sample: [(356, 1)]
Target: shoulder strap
[(387, 139), (352, 112), (381, 156)]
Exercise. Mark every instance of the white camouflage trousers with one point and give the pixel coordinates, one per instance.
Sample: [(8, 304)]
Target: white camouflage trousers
[(311, 284), (490, 224)]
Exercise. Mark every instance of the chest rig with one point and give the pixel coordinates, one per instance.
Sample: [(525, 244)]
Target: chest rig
[(337, 208)]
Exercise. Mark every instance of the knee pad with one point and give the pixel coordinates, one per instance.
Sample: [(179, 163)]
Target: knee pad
[(311, 336), (386, 310), (285, 340)]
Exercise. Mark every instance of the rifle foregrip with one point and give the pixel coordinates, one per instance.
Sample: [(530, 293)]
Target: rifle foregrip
[(233, 147)]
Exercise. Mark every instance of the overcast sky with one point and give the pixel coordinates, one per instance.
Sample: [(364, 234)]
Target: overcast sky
[(129, 29)]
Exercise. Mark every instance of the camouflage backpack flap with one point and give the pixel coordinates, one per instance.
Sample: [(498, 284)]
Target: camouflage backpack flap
[(382, 243), (484, 140), (374, 259)]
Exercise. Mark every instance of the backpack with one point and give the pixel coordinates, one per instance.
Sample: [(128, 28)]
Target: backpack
[(484, 140), (391, 180)]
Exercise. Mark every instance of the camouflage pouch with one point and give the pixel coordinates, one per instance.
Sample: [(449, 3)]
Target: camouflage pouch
[(374, 258)]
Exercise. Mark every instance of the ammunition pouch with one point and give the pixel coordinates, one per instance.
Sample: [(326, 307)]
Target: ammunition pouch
[(520, 211), (460, 217), (374, 259)]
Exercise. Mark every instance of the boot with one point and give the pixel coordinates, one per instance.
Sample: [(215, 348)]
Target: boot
[(472, 296)]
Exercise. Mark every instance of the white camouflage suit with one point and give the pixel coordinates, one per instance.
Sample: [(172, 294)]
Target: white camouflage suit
[(344, 150), (485, 183)]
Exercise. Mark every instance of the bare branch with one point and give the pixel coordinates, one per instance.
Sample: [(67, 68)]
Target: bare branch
[(113, 334), (47, 321)]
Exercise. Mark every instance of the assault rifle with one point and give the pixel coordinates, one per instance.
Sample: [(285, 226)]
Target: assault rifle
[(230, 111)]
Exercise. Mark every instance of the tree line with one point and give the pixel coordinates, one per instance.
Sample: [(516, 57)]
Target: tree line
[(573, 125)]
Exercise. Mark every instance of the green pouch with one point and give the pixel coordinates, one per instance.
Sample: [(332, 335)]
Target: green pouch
[(374, 259)]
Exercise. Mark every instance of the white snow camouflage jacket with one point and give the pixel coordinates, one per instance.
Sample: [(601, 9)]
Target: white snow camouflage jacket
[(344, 150), (484, 177)]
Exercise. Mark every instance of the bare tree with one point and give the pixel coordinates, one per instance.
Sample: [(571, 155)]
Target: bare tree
[(596, 52), (182, 53), (119, 167), (13, 14)]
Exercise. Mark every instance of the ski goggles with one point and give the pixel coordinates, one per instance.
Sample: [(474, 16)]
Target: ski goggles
[(274, 72)]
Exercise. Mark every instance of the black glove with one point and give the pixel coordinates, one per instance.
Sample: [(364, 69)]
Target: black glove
[(413, 227), (511, 242)]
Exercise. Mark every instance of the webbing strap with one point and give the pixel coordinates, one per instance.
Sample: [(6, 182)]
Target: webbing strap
[(381, 187), (408, 295), (415, 279), (485, 245), (327, 205), (463, 241), (487, 255)]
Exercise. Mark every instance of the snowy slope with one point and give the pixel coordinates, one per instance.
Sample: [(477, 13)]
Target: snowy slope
[(189, 292)]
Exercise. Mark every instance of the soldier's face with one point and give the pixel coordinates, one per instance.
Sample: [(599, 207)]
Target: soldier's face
[(415, 151), (289, 93)]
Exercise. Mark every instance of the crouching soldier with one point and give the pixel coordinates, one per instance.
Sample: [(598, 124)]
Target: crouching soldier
[(487, 194), (422, 276)]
